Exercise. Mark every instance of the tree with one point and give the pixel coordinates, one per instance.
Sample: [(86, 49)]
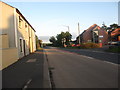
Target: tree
[(60, 38), (114, 26), (63, 38), (110, 29), (40, 42), (37, 42), (53, 40), (104, 26), (68, 37)]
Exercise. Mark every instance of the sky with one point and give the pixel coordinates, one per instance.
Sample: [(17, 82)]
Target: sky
[(51, 18)]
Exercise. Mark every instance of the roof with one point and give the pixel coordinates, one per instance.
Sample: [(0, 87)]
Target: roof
[(92, 27), (24, 18), (115, 32), (7, 4), (20, 14)]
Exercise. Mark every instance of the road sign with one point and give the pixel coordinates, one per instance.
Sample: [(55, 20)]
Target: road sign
[(101, 36)]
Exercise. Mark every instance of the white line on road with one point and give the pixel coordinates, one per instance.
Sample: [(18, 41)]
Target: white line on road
[(26, 85), (87, 57), (103, 52), (110, 63), (98, 51), (78, 54)]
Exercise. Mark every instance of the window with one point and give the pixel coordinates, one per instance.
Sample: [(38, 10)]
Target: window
[(20, 45), (25, 25), (20, 22)]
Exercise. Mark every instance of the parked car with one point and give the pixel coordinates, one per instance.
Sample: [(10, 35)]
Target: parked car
[(117, 43), (112, 43)]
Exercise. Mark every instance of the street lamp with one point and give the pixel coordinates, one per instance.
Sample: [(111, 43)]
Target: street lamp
[(67, 27)]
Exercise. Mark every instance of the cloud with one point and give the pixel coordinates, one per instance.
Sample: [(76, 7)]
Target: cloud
[(45, 39)]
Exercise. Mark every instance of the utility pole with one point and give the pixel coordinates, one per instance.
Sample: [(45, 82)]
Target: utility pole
[(78, 33), (67, 27)]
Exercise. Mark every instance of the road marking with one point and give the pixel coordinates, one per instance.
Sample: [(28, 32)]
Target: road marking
[(26, 85), (98, 51), (104, 52), (110, 63), (87, 57), (76, 54), (31, 60)]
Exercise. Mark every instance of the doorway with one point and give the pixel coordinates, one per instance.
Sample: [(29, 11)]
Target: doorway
[(24, 48)]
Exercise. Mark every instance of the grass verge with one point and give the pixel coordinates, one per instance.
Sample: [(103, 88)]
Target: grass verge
[(115, 49), (39, 48)]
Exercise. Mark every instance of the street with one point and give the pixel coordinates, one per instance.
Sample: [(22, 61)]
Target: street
[(54, 45), (72, 70)]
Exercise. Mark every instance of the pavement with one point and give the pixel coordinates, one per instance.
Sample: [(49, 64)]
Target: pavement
[(30, 71)]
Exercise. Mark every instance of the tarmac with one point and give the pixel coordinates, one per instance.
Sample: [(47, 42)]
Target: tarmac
[(30, 71)]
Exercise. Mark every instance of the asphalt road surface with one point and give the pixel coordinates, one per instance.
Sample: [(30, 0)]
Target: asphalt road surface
[(72, 70), (98, 54)]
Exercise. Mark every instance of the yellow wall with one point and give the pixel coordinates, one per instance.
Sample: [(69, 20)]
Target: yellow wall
[(10, 58), (8, 26), (27, 34), (7, 55), (0, 17), (11, 34), (4, 41), (22, 34)]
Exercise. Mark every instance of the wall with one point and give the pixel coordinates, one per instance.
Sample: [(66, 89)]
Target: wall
[(11, 57), (22, 33), (8, 23), (4, 41), (11, 35), (87, 35), (103, 33), (33, 40), (27, 34), (6, 50)]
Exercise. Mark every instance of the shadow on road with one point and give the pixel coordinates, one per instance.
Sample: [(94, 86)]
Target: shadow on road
[(26, 68)]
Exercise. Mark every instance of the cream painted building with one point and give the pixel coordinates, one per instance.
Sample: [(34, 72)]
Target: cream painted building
[(17, 36)]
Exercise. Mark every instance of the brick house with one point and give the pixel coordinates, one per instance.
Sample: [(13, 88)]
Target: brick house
[(115, 35), (94, 34)]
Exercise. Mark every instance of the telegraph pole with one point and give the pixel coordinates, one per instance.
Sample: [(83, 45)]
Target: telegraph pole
[(78, 33), (67, 27)]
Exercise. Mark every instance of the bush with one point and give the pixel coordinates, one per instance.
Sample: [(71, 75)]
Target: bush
[(89, 45), (114, 49)]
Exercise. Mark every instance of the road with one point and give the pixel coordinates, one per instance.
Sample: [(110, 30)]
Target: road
[(98, 54), (72, 70)]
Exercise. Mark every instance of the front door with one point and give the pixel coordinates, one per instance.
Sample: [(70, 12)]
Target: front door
[(24, 47)]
